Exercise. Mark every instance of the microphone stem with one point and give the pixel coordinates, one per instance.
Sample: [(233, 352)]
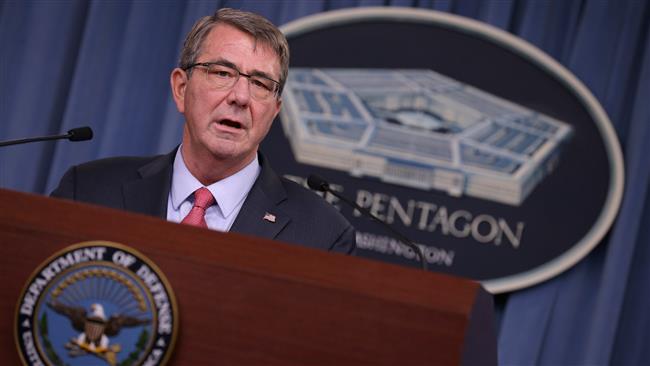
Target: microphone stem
[(33, 139), (396, 233)]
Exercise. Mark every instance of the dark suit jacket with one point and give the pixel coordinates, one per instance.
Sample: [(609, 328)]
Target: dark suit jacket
[(142, 184)]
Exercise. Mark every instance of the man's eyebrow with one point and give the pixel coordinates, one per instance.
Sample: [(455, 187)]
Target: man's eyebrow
[(262, 74), (227, 63), (223, 62)]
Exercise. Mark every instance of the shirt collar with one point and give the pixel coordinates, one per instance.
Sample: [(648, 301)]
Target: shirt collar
[(228, 192)]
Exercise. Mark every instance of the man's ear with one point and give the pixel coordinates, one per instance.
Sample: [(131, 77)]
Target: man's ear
[(178, 81), (278, 105)]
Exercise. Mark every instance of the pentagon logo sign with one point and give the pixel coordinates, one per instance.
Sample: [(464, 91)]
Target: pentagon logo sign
[(420, 129), (484, 151), (96, 303)]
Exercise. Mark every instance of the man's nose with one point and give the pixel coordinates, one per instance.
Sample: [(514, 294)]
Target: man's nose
[(240, 92)]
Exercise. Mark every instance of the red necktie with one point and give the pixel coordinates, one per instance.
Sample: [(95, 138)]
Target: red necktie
[(202, 200)]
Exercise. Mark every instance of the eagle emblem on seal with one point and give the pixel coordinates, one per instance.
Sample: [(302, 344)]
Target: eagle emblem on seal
[(95, 329)]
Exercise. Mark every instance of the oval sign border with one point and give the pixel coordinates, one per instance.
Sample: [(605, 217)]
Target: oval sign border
[(533, 54)]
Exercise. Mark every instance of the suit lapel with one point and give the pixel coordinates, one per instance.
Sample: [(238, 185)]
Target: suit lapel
[(149, 194), (260, 214)]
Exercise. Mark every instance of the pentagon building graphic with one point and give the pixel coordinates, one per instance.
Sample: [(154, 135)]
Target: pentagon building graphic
[(419, 129)]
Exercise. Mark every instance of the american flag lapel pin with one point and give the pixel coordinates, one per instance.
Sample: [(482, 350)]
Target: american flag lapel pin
[(269, 217)]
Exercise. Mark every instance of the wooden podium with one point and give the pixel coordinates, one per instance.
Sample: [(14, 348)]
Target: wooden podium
[(246, 300)]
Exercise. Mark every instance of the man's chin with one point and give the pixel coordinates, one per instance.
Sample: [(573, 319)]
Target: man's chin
[(234, 153), (225, 151), (225, 155)]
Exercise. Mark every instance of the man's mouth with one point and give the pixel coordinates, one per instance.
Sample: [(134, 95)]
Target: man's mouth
[(230, 123)]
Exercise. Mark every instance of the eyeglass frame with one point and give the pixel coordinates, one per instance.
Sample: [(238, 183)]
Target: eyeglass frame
[(239, 73)]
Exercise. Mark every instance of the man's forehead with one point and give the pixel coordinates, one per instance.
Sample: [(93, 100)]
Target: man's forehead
[(229, 43)]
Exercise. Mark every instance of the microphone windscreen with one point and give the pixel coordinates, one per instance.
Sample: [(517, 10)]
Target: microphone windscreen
[(80, 134), (317, 183)]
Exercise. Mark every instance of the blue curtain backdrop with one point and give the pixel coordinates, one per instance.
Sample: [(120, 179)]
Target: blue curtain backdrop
[(103, 63)]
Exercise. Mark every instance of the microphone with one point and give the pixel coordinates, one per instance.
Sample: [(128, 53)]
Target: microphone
[(75, 134), (319, 184)]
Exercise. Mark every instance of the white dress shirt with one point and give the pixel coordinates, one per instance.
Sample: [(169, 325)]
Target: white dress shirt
[(229, 194)]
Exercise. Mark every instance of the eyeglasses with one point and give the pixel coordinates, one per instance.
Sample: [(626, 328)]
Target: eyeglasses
[(224, 77)]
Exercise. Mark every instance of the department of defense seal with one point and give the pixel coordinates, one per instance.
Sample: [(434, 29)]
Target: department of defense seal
[(96, 303)]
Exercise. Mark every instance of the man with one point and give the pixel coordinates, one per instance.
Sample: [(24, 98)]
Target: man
[(232, 69)]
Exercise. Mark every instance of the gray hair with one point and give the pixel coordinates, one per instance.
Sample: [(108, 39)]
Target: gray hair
[(256, 25)]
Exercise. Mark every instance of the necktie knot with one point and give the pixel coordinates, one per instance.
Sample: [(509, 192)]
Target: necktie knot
[(203, 199)]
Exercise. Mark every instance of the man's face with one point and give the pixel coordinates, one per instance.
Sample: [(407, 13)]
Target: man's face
[(225, 126)]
